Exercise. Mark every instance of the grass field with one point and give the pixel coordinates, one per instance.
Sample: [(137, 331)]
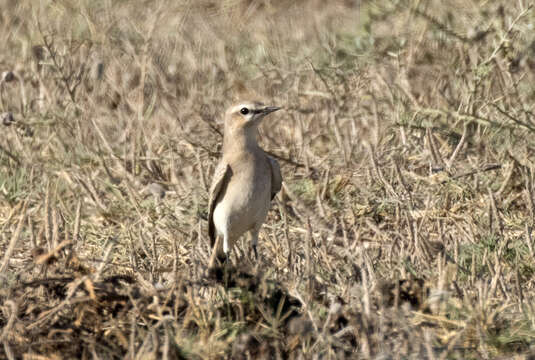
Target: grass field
[(404, 229)]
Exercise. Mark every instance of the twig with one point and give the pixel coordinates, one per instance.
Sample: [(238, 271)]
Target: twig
[(504, 38), (14, 238), (10, 155), (459, 146), (472, 172)]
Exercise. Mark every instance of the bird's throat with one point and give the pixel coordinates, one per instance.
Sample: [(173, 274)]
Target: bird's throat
[(239, 141)]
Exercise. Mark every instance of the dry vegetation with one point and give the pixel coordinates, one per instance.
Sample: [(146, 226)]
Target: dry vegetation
[(404, 228)]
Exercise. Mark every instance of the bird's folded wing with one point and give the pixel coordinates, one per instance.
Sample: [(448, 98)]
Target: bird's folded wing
[(221, 177), (276, 177)]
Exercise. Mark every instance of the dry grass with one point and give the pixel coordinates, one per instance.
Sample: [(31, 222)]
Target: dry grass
[(404, 228)]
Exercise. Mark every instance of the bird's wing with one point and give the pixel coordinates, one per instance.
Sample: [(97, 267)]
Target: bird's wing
[(220, 180), (276, 177)]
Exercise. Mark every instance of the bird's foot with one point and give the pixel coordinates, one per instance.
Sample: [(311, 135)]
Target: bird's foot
[(255, 251), (223, 258)]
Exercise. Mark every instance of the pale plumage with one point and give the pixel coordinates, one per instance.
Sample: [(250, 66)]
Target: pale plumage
[(245, 180)]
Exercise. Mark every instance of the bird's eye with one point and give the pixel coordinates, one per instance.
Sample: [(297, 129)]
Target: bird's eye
[(244, 111)]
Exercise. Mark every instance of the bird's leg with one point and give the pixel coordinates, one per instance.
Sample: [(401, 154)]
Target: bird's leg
[(216, 255), (226, 263), (254, 242)]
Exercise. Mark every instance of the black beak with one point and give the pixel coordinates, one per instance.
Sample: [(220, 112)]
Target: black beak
[(270, 109), (267, 110)]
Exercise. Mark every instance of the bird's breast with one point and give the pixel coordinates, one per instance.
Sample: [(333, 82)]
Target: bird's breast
[(247, 196), (249, 187)]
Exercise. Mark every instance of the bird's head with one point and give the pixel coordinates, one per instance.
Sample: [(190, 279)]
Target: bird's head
[(245, 117)]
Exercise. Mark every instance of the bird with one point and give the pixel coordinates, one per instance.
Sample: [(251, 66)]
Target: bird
[(245, 180)]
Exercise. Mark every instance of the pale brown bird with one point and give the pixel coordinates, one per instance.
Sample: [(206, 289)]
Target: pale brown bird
[(245, 180)]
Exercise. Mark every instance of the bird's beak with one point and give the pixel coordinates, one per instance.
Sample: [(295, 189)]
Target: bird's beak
[(270, 109), (261, 113)]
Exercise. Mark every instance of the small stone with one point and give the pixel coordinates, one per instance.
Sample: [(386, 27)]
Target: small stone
[(7, 118), (157, 190), (8, 76)]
